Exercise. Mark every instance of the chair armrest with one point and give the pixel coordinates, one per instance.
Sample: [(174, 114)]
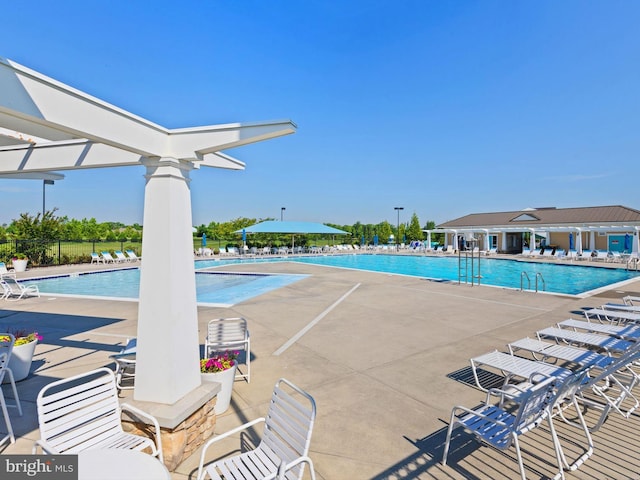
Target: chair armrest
[(477, 414), (283, 468), (44, 446), (124, 357), (217, 438), (152, 419)]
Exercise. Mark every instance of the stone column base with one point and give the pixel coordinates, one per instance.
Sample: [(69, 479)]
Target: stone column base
[(182, 434)]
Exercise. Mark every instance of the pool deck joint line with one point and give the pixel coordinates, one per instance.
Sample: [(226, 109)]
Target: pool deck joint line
[(313, 322)]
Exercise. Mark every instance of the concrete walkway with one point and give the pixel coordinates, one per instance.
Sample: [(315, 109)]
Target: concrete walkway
[(385, 357)]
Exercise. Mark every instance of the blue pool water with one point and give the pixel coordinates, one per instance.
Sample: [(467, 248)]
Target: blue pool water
[(220, 289), (225, 289), (558, 278)]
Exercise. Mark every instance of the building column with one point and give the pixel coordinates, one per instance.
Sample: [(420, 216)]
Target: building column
[(592, 240), (579, 241), (504, 242), (168, 343)]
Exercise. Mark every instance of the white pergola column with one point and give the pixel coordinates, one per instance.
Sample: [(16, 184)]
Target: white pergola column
[(428, 245), (592, 240), (579, 241), (504, 241), (168, 346)]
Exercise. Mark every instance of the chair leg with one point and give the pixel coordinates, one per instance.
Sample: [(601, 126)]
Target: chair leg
[(18, 405), (516, 444), (249, 361), (7, 420), (562, 460), (445, 454)]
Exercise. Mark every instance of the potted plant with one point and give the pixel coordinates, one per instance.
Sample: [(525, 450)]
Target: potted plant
[(220, 368), (19, 261), (23, 350)]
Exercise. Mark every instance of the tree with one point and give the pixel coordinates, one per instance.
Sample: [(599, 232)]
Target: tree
[(90, 229), (35, 233), (414, 232), (384, 231)]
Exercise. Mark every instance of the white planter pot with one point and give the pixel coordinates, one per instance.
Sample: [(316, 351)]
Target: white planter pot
[(20, 361), (226, 379), (20, 265)]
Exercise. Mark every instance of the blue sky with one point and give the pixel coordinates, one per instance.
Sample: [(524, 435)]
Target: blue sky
[(443, 108)]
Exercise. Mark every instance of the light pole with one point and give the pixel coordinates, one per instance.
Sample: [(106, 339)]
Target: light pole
[(397, 209), (45, 182), (282, 209)]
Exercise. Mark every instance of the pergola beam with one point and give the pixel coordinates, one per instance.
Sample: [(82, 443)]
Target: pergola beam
[(35, 104)]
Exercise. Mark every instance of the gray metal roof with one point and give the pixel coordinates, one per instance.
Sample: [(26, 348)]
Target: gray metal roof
[(615, 214)]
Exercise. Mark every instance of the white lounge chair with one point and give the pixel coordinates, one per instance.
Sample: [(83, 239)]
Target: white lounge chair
[(500, 428), (585, 255), (107, 258), (284, 447), (229, 334), (4, 271), (6, 349), (95, 258), (616, 257), (120, 257), (609, 344), (571, 255), (83, 413), (622, 307), (14, 290), (606, 315), (541, 350), (515, 369), (126, 365), (612, 381), (601, 255), (631, 300), (132, 255), (627, 332)]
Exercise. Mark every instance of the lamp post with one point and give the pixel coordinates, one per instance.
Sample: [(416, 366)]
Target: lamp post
[(282, 209), (45, 182), (397, 209)]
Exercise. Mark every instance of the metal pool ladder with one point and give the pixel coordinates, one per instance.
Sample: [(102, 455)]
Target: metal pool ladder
[(539, 277), (468, 261)]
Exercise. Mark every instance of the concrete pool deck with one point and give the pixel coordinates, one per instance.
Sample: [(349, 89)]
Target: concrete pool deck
[(386, 357)]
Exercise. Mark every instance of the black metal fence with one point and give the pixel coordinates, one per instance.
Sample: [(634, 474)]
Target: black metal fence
[(61, 252)]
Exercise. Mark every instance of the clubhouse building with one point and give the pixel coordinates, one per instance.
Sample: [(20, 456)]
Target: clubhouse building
[(611, 228)]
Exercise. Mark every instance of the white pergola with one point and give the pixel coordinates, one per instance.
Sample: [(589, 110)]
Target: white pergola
[(46, 126), (577, 230)]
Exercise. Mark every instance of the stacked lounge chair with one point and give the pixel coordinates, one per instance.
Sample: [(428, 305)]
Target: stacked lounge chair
[(584, 364)]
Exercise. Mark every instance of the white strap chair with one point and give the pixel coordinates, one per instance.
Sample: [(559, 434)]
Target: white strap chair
[(283, 450), (83, 413), (500, 428), (229, 334)]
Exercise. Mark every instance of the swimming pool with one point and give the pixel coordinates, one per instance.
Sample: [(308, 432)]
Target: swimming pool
[(212, 288), (557, 278)]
